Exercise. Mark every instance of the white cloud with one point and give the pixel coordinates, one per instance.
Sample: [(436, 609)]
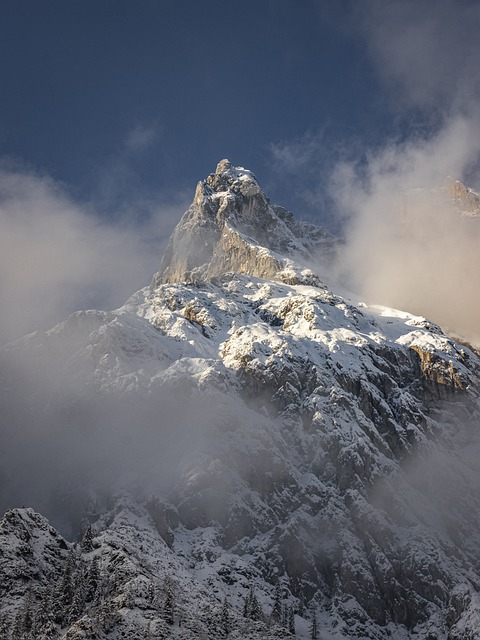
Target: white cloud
[(294, 156), (57, 255), (407, 246)]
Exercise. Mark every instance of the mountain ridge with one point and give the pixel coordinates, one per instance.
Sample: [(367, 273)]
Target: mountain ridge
[(238, 436)]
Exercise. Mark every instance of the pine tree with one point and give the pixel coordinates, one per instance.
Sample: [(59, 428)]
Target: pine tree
[(87, 540), (150, 597), (79, 596), (225, 618), (28, 613), (64, 592), (107, 616), (45, 614), (23, 626), (18, 630), (276, 615), (301, 606), (99, 595), (246, 606), (291, 620), (47, 632), (168, 603), (66, 584), (255, 610), (313, 626), (251, 607), (92, 579), (4, 626)]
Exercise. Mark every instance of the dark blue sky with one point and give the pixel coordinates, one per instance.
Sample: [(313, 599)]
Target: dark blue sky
[(167, 88)]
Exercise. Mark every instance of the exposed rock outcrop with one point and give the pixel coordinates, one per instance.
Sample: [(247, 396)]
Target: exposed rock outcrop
[(231, 226), (466, 200)]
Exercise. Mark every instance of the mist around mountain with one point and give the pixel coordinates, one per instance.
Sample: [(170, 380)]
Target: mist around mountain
[(411, 231), (242, 450)]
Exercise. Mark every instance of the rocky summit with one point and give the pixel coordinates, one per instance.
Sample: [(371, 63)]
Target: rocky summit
[(232, 227), (240, 452)]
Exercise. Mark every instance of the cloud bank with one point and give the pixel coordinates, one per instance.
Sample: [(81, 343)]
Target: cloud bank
[(68, 448), (64, 444), (58, 255), (407, 243)]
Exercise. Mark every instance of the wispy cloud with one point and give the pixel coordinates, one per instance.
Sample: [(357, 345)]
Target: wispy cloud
[(406, 250), (118, 185), (300, 173), (142, 137), (405, 247), (299, 154), (57, 255), (426, 52)]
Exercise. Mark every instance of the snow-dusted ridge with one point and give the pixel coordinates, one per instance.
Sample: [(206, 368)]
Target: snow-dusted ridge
[(271, 446)]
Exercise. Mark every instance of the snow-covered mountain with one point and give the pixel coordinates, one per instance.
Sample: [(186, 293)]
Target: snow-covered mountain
[(242, 452)]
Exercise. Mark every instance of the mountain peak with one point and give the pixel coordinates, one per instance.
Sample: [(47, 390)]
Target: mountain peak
[(466, 200), (232, 227), (227, 176), (229, 185)]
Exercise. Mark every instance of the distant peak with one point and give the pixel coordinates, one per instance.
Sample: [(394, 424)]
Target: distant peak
[(467, 199)]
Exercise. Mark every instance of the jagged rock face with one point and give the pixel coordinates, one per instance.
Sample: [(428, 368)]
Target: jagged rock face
[(465, 199), (231, 226), (324, 444)]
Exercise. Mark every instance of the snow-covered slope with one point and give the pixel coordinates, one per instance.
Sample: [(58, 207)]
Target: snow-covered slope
[(259, 450)]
